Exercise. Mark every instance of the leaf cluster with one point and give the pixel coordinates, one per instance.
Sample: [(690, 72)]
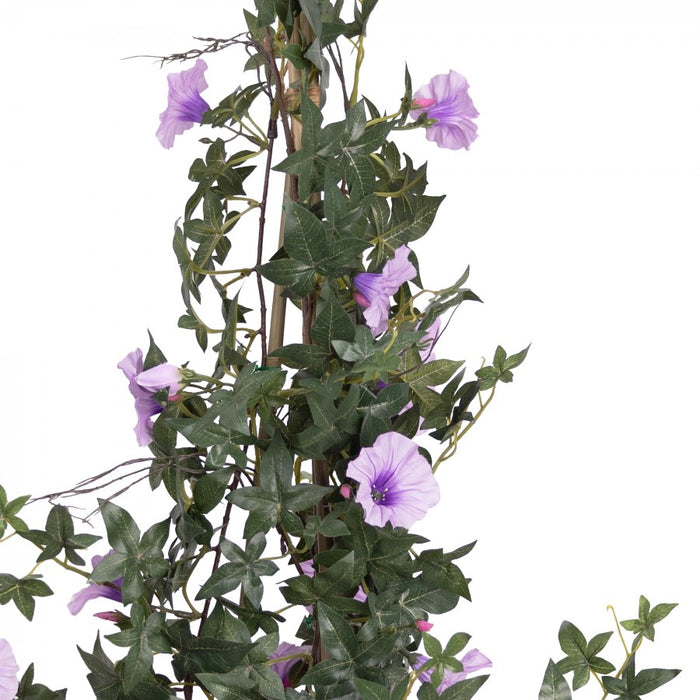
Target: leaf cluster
[(582, 658)]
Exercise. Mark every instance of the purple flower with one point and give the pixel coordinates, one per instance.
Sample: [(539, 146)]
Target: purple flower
[(396, 483), (374, 289), (472, 661), (283, 668), (446, 100), (185, 105), (142, 385), (95, 590), (9, 682)]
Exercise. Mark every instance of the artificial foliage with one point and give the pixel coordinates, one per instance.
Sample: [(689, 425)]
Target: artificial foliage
[(321, 411)]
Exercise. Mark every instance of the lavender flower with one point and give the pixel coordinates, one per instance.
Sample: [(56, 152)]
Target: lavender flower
[(9, 669), (142, 385), (283, 668), (472, 661), (396, 483), (95, 590), (185, 105), (446, 100), (374, 289)]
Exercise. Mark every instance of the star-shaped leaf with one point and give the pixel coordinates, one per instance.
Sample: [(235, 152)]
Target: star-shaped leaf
[(648, 617), (144, 638), (22, 591), (135, 557), (59, 536), (582, 657), (244, 568), (9, 510), (631, 685), (276, 497)]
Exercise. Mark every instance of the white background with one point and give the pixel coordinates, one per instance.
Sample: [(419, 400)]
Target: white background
[(576, 208)]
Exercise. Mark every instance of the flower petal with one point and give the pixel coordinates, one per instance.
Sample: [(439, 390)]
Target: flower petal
[(164, 376), (452, 110), (185, 104), (395, 482)]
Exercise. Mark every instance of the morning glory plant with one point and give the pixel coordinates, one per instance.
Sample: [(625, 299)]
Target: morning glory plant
[(302, 447)]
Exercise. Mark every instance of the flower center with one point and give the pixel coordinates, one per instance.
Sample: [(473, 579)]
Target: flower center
[(379, 495)]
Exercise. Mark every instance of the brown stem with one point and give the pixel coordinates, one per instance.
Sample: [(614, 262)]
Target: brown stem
[(271, 135), (217, 555)]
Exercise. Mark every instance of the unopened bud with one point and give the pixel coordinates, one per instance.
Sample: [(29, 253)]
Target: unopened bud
[(346, 491), (423, 625), (111, 616), (423, 103)]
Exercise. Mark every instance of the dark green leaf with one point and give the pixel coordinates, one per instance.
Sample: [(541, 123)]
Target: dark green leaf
[(22, 592), (337, 636), (371, 691), (554, 685)]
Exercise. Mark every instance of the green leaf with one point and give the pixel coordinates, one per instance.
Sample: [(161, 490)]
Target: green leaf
[(432, 373), (456, 643), (648, 617), (337, 636), (154, 356), (28, 690), (59, 536), (581, 655), (122, 532), (210, 489), (652, 678), (134, 558), (229, 686), (306, 162), (22, 592), (8, 512), (332, 322), (440, 573), (413, 227), (427, 692), (464, 690), (501, 369), (103, 678), (371, 691), (290, 273), (433, 648), (300, 356), (515, 360), (554, 685), (245, 568), (304, 234)]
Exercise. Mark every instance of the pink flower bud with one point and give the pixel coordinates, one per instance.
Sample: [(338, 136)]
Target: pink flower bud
[(346, 491), (422, 103), (424, 625), (361, 299), (112, 616)]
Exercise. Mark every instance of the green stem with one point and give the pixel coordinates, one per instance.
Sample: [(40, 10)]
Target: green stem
[(628, 654), (64, 564), (452, 447), (358, 64), (414, 677), (619, 631)]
